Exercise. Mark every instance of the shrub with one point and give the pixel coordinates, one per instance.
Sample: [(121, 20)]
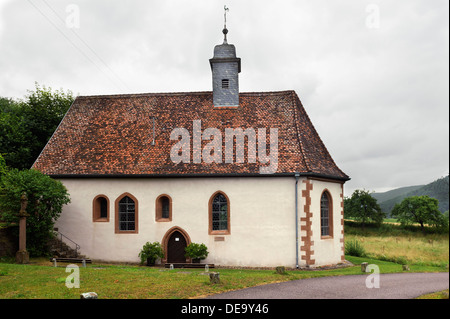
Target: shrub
[(150, 252), (196, 251), (354, 248)]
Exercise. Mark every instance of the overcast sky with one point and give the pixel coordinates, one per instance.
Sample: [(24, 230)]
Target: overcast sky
[(372, 75)]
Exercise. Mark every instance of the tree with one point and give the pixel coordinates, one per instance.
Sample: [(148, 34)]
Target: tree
[(423, 210), (27, 125), (363, 207), (14, 136), (46, 198), (3, 167)]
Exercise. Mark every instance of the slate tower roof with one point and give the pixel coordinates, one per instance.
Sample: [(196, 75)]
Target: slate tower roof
[(225, 67)]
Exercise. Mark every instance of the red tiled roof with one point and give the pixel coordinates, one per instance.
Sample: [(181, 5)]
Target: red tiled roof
[(112, 135)]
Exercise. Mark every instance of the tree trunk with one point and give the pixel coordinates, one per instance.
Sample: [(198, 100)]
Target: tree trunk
[(422, 227)]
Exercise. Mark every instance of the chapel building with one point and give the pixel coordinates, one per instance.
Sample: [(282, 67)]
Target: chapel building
[(244, 173)]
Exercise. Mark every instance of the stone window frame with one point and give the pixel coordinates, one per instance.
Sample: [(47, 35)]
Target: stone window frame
[(327, 193), (158, 209), (210, 217), (136, 215), (96, 210)]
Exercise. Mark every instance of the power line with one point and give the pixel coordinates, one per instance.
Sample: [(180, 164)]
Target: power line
[(88, 46), (72, 43)]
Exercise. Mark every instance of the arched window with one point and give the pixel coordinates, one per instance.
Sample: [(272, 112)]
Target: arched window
[(126, 214), (163, 208), (326, 220), (219, 214), (100, 209)]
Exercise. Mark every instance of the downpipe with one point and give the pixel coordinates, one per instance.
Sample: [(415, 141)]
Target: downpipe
[(297, 175)]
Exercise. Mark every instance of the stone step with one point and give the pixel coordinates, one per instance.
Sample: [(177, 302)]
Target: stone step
[(60, 249)]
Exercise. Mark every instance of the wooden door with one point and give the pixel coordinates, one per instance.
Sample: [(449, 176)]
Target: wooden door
[(175, 248)]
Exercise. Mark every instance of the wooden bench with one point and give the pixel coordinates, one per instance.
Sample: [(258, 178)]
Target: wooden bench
[(71, 260), (187, 265)]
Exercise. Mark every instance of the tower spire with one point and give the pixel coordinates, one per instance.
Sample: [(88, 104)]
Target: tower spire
[(225, 67), (225, 30)]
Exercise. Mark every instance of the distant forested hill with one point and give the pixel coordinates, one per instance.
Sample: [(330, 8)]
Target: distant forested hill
[(438, 189)]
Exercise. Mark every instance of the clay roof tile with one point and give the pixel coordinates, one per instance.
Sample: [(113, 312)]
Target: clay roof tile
[(114, 134)]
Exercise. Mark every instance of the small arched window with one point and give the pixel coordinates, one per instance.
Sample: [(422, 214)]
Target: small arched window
[(326, 215), (100, 209), (126, 214), (219, 214), (163, 208)]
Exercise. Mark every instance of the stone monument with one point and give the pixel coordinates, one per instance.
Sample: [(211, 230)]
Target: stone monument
[(22, 255)]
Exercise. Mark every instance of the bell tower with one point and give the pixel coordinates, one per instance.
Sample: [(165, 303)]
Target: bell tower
[(225, 67)]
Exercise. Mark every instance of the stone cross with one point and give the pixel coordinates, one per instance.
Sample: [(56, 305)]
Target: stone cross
[(22, 255)]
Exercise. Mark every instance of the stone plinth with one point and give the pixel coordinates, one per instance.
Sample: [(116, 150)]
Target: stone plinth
[(22, 257)]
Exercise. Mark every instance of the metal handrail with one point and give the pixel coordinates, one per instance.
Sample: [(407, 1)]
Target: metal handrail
[(77, 247)]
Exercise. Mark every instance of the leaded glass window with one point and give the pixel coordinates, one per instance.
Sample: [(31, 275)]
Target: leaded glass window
[(220, 213), (165, 207), (127, 214), (325, 215)]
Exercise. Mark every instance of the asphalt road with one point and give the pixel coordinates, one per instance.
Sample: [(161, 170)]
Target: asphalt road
[(391, 286)]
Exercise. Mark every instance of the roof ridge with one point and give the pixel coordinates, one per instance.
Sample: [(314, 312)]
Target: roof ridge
[(127, 95), (143, 94), (296, 106), (320, 140), (283, 92)]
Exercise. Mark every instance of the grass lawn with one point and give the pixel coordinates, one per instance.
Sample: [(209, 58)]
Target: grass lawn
[(40, 280), (436, 295), (408, 250), (396, 244)]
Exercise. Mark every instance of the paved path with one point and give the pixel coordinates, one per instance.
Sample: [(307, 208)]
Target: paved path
[(391, 286)]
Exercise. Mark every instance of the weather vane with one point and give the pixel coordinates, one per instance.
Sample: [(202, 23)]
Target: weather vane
[(225, 30), (225, 16)]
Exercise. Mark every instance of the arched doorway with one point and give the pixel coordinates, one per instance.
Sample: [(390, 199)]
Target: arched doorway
[(175, 241), (175, 248)]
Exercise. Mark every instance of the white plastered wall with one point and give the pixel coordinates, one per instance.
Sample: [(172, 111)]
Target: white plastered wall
[(262, 218), (327, 251)]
